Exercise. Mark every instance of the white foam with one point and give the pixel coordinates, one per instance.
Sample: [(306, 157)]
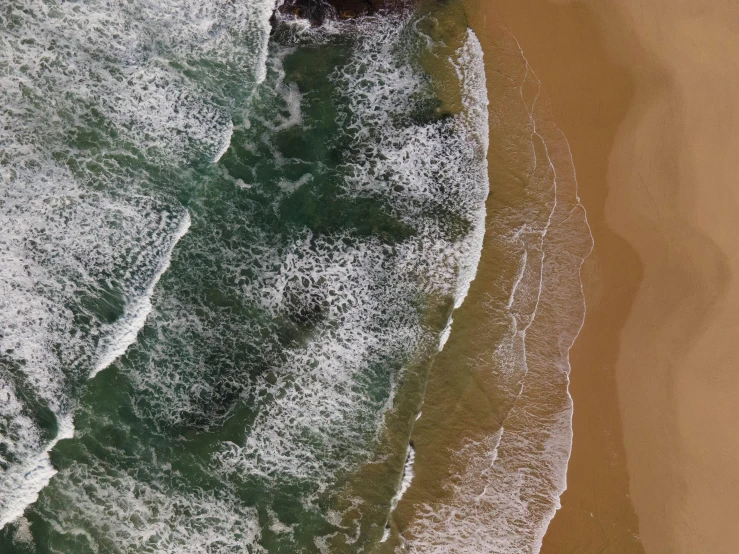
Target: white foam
[(88, 107), (302, 28), (445, 334), (276, 526), (406, 478), (156, 516), (292, 186), (313, 415), (22, 533), (23, 482), (471, 71), (66, 260), (319, 403), (226, 144), (288, 92), (134, 317)]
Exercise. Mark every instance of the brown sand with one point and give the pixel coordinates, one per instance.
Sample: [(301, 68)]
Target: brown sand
[(646, 93)]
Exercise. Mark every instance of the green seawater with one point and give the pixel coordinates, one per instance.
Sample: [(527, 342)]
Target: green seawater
[(231, 250)]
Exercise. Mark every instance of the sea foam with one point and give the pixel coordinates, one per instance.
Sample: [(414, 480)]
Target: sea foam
[(319, 404), (93, 117), (282, 344)]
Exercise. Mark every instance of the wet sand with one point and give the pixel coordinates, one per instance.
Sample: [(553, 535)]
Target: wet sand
[(492, 442), (645, 92)]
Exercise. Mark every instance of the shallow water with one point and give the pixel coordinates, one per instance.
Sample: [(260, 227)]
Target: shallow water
[(494, 438), (228, 258)]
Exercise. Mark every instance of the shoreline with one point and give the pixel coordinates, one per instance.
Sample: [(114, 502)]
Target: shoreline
[(641, 90), (494, 439), (564, 47)]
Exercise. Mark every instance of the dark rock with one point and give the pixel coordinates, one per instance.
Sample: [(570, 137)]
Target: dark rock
[(320, 11)]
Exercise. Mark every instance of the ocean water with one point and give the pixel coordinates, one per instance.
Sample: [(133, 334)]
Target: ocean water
[(229, 252)]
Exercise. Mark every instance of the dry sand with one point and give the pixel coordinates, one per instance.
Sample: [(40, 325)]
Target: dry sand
[(646, 93)]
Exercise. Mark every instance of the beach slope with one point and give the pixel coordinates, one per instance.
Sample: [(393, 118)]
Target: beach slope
[(646, 94)]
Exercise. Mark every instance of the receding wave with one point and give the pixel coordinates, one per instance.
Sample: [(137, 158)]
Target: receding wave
[(504, 475)]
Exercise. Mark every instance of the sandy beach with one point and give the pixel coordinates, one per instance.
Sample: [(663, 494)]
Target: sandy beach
[(381, 276), (645, 93)]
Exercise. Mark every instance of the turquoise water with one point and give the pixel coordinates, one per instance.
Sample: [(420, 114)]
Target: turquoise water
[(219, 249)]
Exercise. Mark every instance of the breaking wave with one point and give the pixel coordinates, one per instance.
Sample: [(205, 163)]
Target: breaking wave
[(102, 110), (242, 240)]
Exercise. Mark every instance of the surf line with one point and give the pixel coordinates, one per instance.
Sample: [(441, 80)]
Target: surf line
[(472, 76), (226, 143), (37, 472), (127, 327), (405, 482), (33, 476), (476, 107)]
